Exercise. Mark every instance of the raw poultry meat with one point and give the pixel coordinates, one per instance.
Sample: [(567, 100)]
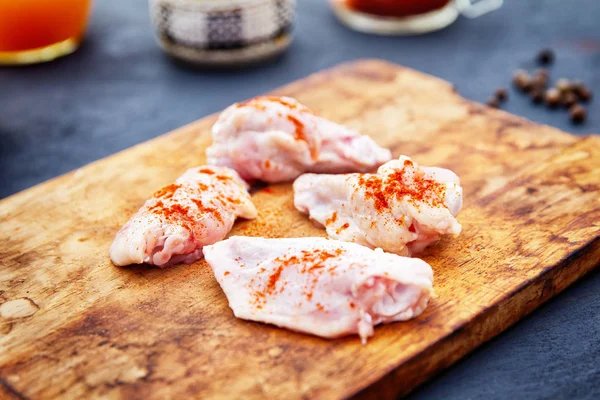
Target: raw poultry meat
[(180, 219), (319, 286), (275, 139), (401, 209)]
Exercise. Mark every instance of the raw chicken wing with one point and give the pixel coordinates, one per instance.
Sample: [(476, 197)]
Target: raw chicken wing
[(275, 139), (319, 286), (180, 219), (401, 209)]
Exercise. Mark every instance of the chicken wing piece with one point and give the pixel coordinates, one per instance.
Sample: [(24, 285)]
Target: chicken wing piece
[(180, 219), (275, 139), (402, 209), (319, 286)]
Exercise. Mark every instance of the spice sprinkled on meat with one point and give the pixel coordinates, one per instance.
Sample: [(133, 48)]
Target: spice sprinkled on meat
[(275, 139), (181, 218), (323, 287), (402, 209)]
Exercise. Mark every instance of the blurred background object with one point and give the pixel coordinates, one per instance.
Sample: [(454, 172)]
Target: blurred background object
[(407, 17), (33, 31), (223, 32)]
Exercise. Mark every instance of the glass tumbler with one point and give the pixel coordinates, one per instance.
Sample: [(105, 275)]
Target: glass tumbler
[(33, 31)]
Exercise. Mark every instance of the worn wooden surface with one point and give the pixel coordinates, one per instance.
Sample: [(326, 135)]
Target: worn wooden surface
[(72, 325)]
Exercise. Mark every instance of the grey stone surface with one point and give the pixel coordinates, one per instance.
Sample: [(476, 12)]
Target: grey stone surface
[(119, 90)]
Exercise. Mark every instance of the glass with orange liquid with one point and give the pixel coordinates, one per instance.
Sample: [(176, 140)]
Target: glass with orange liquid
[(33, 31)]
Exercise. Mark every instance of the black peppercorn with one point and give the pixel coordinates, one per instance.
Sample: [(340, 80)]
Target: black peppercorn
[(552, 97), (501, 94), (537, 95), (493, 102), (577, 113), (577, 85), (539, 81), (584, 94), (545, 57), (522, 80), (563, 85), (569, 99)]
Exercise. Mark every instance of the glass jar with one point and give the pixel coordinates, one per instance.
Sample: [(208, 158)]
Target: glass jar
[(223, 32), (33, 31), (407, 17)]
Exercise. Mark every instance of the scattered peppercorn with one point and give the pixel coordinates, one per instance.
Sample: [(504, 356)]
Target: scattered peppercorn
[(564, 92), (545, 57), (537, 95), (569, 99), (540, 79), (577, 113), (563, 85), (584, 94), (577, 85), (539, 82), (522, 80), (493, 102), (501, 94), (552, 97)]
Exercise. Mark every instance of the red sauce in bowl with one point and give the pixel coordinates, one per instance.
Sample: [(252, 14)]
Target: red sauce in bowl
[(396, 8)]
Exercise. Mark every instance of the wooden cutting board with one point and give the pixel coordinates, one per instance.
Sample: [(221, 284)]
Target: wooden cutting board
[(74, 326)]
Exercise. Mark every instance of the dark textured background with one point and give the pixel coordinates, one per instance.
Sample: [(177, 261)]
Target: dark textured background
[(119, 90)]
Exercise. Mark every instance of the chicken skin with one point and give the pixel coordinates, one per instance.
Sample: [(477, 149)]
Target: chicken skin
[(180, 219), (275, 139), (319, 286), (403, 208)]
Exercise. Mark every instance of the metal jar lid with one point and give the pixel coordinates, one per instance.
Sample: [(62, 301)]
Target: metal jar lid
[(223, 32)]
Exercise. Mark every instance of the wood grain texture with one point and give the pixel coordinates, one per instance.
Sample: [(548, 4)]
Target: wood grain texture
[(72, 325)]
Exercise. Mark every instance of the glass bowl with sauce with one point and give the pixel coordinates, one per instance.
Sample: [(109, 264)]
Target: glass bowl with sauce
[(33, 31), (407, 17)]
